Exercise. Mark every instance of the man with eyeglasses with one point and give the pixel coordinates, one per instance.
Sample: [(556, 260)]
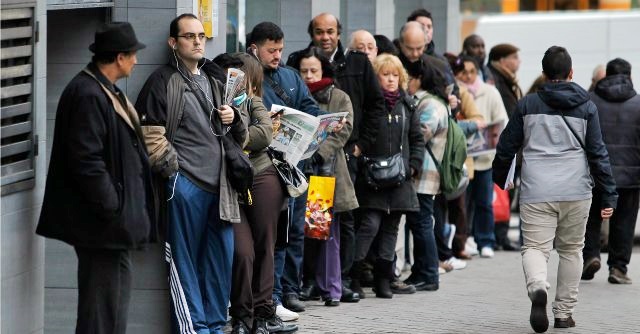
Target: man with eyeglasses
[(363, 41), (183, 119)]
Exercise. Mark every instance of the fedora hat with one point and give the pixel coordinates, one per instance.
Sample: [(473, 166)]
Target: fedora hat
[(115, 37)]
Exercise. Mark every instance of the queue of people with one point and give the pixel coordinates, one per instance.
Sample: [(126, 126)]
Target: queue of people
[(166, 169)]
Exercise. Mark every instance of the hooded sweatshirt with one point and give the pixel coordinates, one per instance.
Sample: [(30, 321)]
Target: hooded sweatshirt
[(619, 114), (563, 158)]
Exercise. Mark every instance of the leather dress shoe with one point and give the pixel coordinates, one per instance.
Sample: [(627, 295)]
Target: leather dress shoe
[(331, 302), (275, 325), (564, 322), (349, 296), (309, 292), (424, 286), (538, 316), (591, 267), (292, 303)]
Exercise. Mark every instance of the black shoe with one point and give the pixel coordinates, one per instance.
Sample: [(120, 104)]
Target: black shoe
[(591, 267), (424, 286), (239, 327), (398, 287), (274, 325), (382, 288), (508, 246), (348, 296), (331, 302), (309, 292), (366, 279), (292, 303), (564, 322), (538, 317)]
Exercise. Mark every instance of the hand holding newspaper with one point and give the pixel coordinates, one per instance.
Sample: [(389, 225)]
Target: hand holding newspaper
[(300, 134)]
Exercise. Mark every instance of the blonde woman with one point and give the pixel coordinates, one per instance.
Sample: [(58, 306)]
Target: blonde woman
[(399, 132)]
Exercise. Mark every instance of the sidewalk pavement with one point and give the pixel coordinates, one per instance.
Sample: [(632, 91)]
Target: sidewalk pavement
[(489, 296)]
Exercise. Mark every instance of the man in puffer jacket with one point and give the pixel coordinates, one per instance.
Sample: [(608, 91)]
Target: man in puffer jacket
[(562, 155), (619, 113)]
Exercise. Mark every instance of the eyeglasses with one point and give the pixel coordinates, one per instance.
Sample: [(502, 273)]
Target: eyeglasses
[(192, 37)]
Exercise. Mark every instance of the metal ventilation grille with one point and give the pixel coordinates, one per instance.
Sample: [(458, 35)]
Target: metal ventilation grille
[(19, 144)]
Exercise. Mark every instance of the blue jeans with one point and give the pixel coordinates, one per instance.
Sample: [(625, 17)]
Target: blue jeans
[(425, 254), (199, 255), (481, 197), (288, 260)]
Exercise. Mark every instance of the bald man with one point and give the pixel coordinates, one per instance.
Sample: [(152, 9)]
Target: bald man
[(413, 40), (363, 41), (356, 77), (474, 46)]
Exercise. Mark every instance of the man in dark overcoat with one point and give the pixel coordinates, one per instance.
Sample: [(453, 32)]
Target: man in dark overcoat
[(98, 186)]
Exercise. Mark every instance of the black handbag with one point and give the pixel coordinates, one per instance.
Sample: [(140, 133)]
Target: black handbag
[(292, 177), (390, 172)]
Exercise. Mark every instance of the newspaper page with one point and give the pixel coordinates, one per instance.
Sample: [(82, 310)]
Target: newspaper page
[(235, 85), (328, 124), (295, 133), (485, 140)]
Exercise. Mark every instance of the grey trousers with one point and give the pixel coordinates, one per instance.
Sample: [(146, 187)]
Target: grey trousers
[(541, 224)]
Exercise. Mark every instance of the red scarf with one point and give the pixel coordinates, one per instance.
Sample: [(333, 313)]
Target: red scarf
[(318, 85)]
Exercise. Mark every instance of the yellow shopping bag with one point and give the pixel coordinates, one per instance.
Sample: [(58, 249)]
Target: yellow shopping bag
[(319, 213)]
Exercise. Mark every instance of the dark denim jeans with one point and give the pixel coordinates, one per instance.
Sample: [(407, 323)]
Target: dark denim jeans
[(425, 254), (480, 196), (621, 229)]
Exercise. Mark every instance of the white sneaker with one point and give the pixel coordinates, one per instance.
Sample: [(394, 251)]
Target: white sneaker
[(456, 263), (285, 314), (473, 251), (441, 271), (486, 252)]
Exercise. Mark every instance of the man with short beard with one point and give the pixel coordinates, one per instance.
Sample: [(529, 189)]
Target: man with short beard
[(355, 76)]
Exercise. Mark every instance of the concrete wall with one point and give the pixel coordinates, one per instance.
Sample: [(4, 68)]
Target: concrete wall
[(21, 252)]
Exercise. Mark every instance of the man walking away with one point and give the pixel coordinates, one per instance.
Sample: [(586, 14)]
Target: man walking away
[(558, 130), (619, 111)]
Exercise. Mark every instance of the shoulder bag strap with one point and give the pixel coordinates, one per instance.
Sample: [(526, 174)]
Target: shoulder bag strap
[(278, 90), (573, 132)]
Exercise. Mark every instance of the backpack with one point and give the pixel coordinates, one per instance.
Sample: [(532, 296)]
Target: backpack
[(453, 174)]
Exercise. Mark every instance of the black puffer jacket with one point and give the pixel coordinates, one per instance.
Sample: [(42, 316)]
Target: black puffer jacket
[(402, 198), (619, 113), (355, 76)]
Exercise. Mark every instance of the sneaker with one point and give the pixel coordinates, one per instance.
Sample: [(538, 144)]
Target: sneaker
[(441, 271), (456, 263), (398, 287), (452, 233), (275, 325), (446, 266), (285, 314), (239, 327), (472, 251), (487, 252), (616, 276), (591, 266), (538, 317)]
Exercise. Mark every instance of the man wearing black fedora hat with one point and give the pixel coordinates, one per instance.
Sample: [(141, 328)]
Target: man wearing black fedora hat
[(97, 195)]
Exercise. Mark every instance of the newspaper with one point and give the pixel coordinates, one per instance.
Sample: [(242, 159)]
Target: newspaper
[(300, 134), (235, 85), (485, 140), (508, 184)]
